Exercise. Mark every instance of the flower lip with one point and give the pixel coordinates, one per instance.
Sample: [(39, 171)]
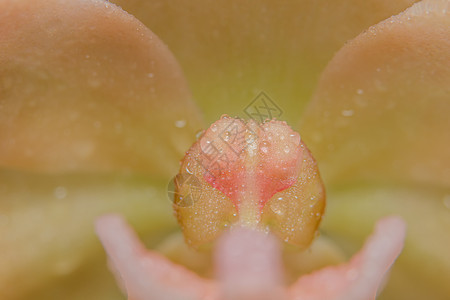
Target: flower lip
[(248, 267), (255, 175)]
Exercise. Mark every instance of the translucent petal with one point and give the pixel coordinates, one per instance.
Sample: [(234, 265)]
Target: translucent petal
[(381, 111), (423, 269), (362, 276), (146, 275), (248, 267), (232, 50), (46, 226), (85, 86)]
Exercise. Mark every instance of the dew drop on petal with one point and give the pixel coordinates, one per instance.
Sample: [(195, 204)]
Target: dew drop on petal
[(287, 149), (446, 201), (180, 123), (347, 112), (60, 192), (199, 134)]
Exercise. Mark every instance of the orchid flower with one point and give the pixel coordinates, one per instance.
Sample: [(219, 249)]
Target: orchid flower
[(97, 108)]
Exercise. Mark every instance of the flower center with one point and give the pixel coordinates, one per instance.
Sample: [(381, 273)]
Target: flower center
[(251, 174)]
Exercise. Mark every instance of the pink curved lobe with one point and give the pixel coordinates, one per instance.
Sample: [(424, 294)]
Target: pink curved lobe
[(146, 275), (248, 265), (361, 277)]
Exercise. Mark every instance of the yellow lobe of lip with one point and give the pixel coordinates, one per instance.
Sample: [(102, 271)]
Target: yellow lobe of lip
[(255, 175)]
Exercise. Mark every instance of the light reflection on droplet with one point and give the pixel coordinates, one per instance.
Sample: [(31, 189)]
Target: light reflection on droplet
[(287, 149), (347, 112), (199, 134), (180, 123), (60, 192), (446, 201)]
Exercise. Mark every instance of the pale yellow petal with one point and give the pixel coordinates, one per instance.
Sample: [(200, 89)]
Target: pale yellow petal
[(231, 50), (423, 269), (86, 86), (46, 226), (381, 111)]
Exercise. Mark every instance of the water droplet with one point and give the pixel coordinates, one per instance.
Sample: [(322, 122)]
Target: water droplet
[(277, 211), (180, 123), (150, 75), (347, 112), (214, 128), (118, 127), (60, 192), (93, 82), (188, 170), (265, 146), (226, 136), (446, 201), (360, 91), (65, 266), (199, 134), (97, 124), (287, 149)]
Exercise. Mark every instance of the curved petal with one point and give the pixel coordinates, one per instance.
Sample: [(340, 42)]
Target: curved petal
[(360, 278), (146, 275), (231, 50), (423, 269), (381, 109), (85, 86), (248, 264), (46, 234)]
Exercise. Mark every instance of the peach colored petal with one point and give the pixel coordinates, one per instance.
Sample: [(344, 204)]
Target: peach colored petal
[(232, 49), (85, 86), (381, 111), (360, 278)]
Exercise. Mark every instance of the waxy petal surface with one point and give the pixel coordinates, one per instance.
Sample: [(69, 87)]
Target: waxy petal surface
[(86, 92), (85, 86), (381, 108)]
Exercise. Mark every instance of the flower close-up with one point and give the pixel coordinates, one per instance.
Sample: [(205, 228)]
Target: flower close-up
[(199, 149)]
